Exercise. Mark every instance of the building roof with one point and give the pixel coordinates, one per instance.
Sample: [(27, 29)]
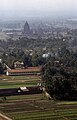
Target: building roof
[(17, 62), (29, 69)]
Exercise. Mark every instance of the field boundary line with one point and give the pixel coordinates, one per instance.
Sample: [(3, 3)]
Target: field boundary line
[(5, 117)]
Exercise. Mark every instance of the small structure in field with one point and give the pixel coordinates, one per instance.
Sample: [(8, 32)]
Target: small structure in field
[(24, 89)]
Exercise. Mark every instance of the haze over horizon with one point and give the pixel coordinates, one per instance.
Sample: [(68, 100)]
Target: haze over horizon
[(12, 9)]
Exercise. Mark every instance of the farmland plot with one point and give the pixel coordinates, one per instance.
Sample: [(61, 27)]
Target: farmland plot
[(33, 107), (18, 81), (37, 107)]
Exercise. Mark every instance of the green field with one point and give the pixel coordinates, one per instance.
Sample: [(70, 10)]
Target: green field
[(33, 107), (37, 107), (18, 81)]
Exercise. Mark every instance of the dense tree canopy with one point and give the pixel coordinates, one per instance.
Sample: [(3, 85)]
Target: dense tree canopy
[(60, 82), (1, 68)]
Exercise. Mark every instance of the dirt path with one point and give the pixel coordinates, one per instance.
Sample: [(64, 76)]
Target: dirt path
[(3, 117)]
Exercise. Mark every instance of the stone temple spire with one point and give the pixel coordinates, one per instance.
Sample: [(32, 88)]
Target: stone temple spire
[(26, 28)]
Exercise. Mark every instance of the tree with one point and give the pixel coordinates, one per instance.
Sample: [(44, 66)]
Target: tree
[(37, 59), (59, 82), (27, 60), (1, 68)]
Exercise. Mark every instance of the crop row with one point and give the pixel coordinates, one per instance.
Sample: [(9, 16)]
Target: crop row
[(35, 108)]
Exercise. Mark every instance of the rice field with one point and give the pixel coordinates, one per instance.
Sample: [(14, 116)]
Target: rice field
[(18, 81), (33, 107), (37, 107)]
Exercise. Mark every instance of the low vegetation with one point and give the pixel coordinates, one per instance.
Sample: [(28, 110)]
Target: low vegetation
[(18, 81), (34, 107), (37, 107)]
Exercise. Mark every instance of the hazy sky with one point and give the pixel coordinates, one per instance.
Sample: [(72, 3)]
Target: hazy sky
[(37, 7)]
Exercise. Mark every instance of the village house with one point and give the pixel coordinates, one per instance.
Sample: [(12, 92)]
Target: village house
[(18, 65), (27, 71)]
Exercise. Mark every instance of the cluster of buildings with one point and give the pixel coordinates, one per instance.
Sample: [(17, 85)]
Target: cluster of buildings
[(20, 70)]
